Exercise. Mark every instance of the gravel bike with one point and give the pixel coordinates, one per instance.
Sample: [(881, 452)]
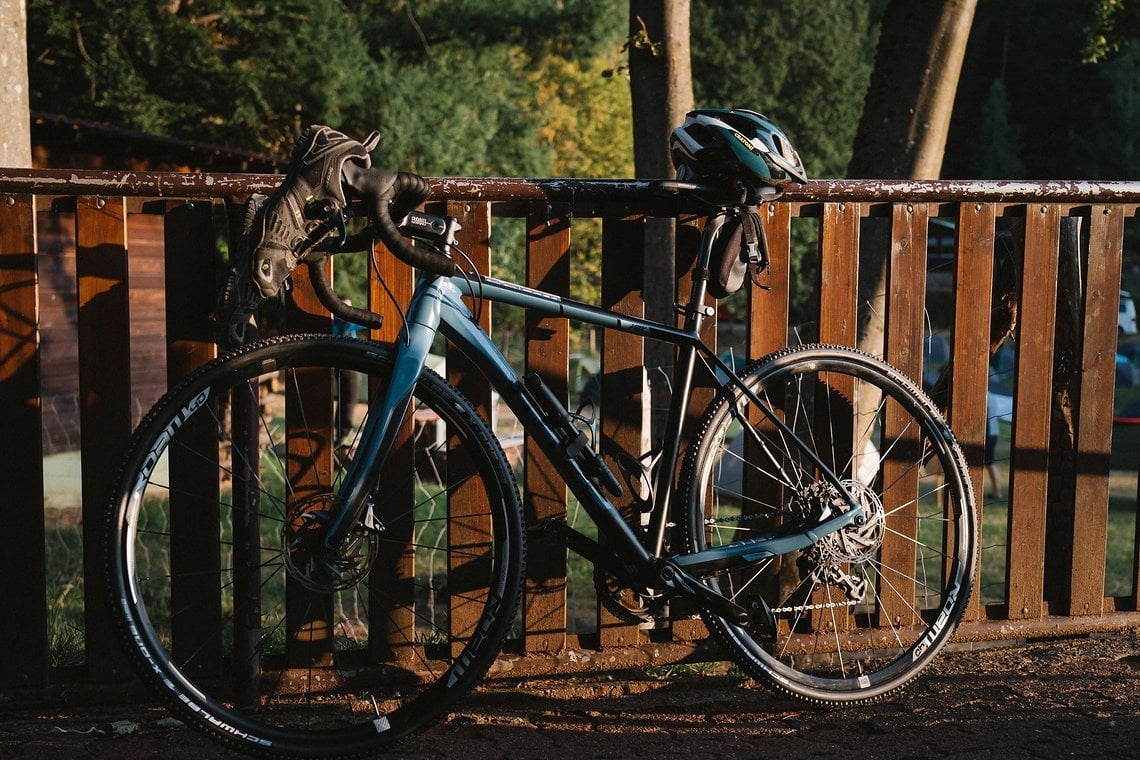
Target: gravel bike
[(359, 554)]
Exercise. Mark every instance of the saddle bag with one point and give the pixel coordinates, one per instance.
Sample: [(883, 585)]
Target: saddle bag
[(739, 252)]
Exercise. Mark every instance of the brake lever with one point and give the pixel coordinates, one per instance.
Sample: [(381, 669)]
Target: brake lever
[(439, 231)]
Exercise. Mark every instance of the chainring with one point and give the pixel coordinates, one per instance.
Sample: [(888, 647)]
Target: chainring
[(627, 605)]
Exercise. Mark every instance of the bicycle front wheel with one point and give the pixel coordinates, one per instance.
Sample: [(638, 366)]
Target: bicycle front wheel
[(863, 610), (229, 602)]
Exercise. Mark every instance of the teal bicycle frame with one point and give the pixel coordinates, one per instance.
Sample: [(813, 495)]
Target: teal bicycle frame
[(438, 307)]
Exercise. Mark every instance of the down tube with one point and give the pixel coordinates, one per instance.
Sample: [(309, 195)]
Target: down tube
[(457, 324)]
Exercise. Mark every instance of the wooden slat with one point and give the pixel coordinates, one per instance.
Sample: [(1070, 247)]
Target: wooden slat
[(391, 586), (309, 442), (839, 274), (838, 323), (1030, 445), (624, 412), (768, 309), (1094, 431), (973, 286), (194, 517), (688, 247), (469, 525), (104, 396), (244, 461), (767, 331), (905, 304), (544, 492), (24, 639)]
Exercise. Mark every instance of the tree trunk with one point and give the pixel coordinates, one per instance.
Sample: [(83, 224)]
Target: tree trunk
[(902, 132), (661, 89), (906, 116), (15, 121)]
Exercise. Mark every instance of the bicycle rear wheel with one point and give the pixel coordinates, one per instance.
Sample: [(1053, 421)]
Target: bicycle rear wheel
[(229, 604), (863, 610)]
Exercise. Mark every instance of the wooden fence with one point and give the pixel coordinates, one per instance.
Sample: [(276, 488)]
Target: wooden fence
[(1063, 545)]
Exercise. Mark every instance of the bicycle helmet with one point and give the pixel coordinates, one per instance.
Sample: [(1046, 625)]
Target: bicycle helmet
[(734, 144)]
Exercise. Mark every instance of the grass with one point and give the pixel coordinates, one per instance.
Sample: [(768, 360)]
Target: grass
[(1121, 527)]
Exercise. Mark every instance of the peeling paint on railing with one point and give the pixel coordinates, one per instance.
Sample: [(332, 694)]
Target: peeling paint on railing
[(180, 185)]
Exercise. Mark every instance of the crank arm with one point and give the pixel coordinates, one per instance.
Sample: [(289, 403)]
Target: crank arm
[(677, 580)]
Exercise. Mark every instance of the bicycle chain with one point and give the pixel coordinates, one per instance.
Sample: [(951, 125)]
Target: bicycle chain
[(825, 606)]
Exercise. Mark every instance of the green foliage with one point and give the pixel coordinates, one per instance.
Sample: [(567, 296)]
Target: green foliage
[(446, 79), (806, 65), (248, 75), (487, 132), (999, 140), (1115, 23), (1111, 148), (1031, 105), (578, 28)]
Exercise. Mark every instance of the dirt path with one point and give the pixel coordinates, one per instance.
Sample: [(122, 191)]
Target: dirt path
[(1074, 698)]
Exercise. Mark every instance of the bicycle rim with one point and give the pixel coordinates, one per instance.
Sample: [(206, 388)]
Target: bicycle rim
[(251, 633), (862, 611)]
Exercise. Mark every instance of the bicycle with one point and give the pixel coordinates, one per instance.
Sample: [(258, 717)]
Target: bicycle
[(357, 587)]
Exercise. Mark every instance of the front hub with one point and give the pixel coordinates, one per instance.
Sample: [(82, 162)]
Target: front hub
[(314, 565)]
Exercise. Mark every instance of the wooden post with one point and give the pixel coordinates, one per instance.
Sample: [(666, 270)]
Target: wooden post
[(688, 246), (391, 585), (544, 493), (309, 442), (973, 282), (624, 417), (905, 308), (468, 521), (838, 323), (105, 398), (24, 639), (1101, 301), (194, 512), (1030, 445)]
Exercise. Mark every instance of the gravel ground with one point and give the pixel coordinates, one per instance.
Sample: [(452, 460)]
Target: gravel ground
[(1070, 698)]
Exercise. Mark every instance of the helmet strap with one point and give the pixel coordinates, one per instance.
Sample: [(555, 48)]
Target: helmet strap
[(755, 244)]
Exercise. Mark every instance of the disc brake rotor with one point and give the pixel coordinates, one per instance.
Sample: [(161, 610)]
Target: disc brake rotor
[(315, 566)]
